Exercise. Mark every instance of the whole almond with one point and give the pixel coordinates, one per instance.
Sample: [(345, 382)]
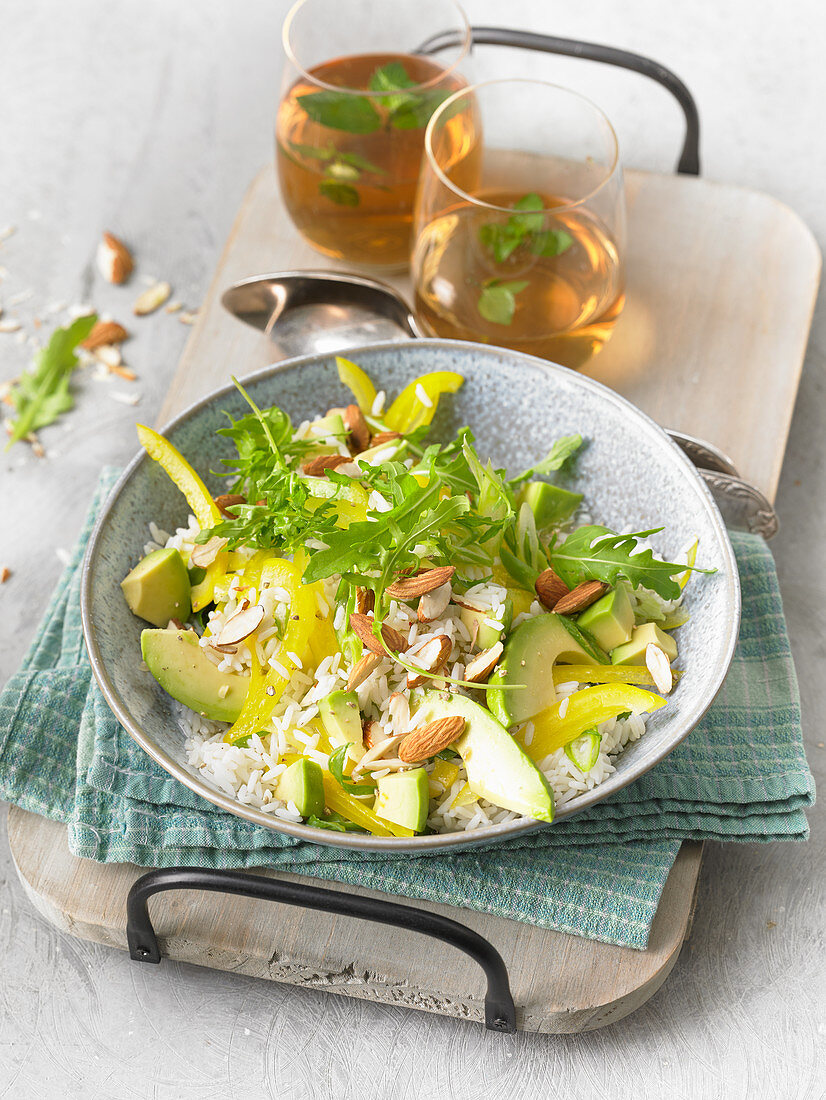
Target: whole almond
[(362, 626), (104, 332), (241, 625), (318, 466), (151, 299), (550, 588), (204, 554), (229, 500), (580, 597), (362, 669), (114, 259), (384, 437), (483, 664), (431, 656), (411, 587), (356, 425), (426, 741)]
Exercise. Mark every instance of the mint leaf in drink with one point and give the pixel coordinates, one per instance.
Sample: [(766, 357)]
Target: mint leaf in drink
[(497, 302), (312, 152), (354, 114), (551, 242), (42, 394), (408, 110), (530, 218), (362, 163), (341, 193), (500, 240)]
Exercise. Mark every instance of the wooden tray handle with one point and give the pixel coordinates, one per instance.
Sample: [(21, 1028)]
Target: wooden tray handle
[(500, 1014), (689, 162)]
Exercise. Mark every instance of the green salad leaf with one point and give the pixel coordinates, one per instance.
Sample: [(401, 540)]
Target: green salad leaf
[(336, 767), (42, 394), (560, 453)]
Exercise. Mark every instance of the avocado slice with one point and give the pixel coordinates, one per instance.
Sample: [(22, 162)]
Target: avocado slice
[(610, 620), (480, 621), (158, 588), (530, 654), (303, 784), (549, 503), (404, 798), (323, 428), (497, 767), (633, 652), (184, 671), (340, 715)]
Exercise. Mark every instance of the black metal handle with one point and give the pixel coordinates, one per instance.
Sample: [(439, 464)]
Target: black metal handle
[(500, 1014), (689, 162)]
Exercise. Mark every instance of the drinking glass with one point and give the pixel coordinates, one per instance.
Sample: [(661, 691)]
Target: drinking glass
[(356, 99), (520, 221)]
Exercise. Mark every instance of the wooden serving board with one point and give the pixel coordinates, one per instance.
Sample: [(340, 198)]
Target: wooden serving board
[(721, 288)]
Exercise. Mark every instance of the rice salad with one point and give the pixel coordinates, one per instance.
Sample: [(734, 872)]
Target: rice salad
[(372, 632)]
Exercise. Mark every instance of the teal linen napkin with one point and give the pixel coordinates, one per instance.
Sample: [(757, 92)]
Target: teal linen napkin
[(741, 775)]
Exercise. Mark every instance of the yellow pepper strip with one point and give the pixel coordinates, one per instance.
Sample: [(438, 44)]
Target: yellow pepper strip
[(355, 379), (580, 712), (338, 800), (198, 498), (605, 674), (691, 557), (464, 797), (266, 684), (323, 640), (409, 412), (444, 774)]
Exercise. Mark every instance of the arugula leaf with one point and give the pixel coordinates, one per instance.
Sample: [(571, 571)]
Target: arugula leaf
[(497, 302), (354, 114), (42, 394), (561, 452), (341, 193), (595, 553), (336, 768)]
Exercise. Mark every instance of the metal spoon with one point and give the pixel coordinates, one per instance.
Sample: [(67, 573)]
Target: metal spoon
[(305, 312)]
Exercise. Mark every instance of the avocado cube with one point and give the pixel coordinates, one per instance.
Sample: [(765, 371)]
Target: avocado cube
[(404, 798), (549, 503), (340, 715), (481, 622), (303, 784), (633, 652), (186, 673), (611, 619), (158, 588)]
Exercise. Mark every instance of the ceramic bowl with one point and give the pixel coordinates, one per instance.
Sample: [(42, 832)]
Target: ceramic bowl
[(633, 477)]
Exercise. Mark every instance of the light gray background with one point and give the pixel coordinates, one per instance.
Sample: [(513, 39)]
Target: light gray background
[(149, 117)]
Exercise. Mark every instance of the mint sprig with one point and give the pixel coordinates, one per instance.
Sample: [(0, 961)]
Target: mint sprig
[(497, 300), (501, 239), (358, 114)]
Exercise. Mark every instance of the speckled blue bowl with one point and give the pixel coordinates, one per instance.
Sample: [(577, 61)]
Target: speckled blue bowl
[(632, 475)]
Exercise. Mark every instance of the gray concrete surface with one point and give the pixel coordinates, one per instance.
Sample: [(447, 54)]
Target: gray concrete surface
[(149, 118)]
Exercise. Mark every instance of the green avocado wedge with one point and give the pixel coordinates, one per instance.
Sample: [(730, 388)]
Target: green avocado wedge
[(497, 767), (530, 653), (303, 784), (404, 798), (184, 671), (158, 588)]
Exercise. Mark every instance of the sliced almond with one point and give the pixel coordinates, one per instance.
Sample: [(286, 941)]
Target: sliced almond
[(109, 355), (225, 501), (104, 332), (371, 731), (362, 626), (483, 664), (362, 669), (384, 437), (241, 625), (188, 317), (365, 600), (658, 664), (375, 756), (580, 597), (356, 425), (318, 466), (433, 604), (114, 259), (430, 656), (224, 648), (204, 554), (411, 587), (10, 324), (151, 299), (426, 741), (550, 588)]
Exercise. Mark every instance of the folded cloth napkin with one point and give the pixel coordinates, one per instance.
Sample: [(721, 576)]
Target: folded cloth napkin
[(741, 775)]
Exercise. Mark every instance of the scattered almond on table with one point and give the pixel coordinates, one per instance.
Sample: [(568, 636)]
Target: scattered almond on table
[(5, 573), (151, 299), (114, 259)]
